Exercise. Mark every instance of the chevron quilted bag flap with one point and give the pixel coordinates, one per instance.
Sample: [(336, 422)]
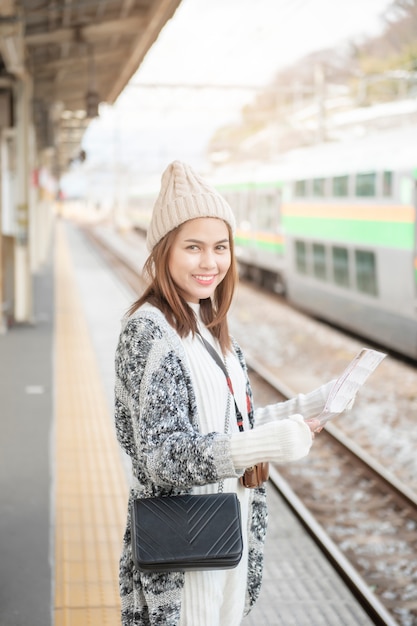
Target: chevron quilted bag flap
[(188, 532)]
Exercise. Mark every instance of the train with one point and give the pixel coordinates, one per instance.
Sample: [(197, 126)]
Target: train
[(333, 228)]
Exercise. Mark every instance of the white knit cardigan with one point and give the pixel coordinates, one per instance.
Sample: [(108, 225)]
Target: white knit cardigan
[(157, 424)]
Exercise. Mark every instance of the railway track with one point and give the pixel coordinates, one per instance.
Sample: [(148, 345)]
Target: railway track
[(361, 517)]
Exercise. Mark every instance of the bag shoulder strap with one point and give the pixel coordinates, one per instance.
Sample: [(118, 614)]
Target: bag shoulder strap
[(215, 355)]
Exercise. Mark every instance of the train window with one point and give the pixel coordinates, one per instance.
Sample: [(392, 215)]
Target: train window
[(266, 211), (341, 266), (366, 272), (300, 188), (301, 257), (340, 186), (406, 189), (319, 261), (387, 184), (365, 185), (318, 186)]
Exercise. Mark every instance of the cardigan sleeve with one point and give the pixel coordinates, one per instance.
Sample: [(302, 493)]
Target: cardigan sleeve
[(160, 413), (279, 441), (308, 405)]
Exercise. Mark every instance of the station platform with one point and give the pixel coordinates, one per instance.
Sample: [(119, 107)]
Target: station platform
[(64, 481)]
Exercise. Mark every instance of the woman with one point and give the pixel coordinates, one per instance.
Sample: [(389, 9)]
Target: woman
[(174, 414)]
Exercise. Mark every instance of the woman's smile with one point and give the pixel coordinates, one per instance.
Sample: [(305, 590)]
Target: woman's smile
[(205, 279)]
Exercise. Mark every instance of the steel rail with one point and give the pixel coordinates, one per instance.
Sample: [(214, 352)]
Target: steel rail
[(353, 580)]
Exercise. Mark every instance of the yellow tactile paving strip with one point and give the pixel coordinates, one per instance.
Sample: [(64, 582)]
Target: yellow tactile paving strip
[(90, 486)]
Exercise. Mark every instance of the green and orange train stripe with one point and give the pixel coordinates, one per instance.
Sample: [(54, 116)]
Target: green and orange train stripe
[(270, 242), (391, 226)]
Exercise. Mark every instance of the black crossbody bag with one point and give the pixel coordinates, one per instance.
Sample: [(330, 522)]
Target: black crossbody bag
[(187, 532)]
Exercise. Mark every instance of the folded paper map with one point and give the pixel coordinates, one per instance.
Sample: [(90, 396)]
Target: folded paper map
[(344, 390)]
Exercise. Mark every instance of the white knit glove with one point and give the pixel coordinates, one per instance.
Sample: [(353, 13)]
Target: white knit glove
[(280, 441)]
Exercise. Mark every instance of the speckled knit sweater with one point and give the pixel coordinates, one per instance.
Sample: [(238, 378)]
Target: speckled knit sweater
[(168, 455), (157, 426)]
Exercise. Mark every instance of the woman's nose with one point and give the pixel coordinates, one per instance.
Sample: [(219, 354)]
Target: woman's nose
[(208, 259)]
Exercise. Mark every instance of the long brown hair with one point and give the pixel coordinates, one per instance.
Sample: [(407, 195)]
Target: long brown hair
[(163, 293)]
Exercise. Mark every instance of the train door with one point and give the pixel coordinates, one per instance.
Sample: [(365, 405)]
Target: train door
[(415, 242), (415, 258), (268, 211), (270, 253)]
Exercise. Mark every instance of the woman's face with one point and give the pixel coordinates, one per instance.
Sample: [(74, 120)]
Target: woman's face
[(200, 257)]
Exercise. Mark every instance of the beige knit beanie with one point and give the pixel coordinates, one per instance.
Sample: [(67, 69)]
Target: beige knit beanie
[(184, 196)]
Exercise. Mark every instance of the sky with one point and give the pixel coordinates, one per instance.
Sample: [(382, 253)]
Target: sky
[(234, 46)]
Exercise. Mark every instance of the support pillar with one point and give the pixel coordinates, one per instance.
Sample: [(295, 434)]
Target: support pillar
[(23, 280)]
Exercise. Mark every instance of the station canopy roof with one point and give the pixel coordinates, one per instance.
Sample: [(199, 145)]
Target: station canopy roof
[(78, 53)]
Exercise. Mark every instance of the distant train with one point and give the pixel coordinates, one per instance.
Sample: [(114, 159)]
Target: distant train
[(335, 229)]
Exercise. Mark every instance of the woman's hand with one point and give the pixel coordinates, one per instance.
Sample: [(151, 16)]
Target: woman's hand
[(314, 425)]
